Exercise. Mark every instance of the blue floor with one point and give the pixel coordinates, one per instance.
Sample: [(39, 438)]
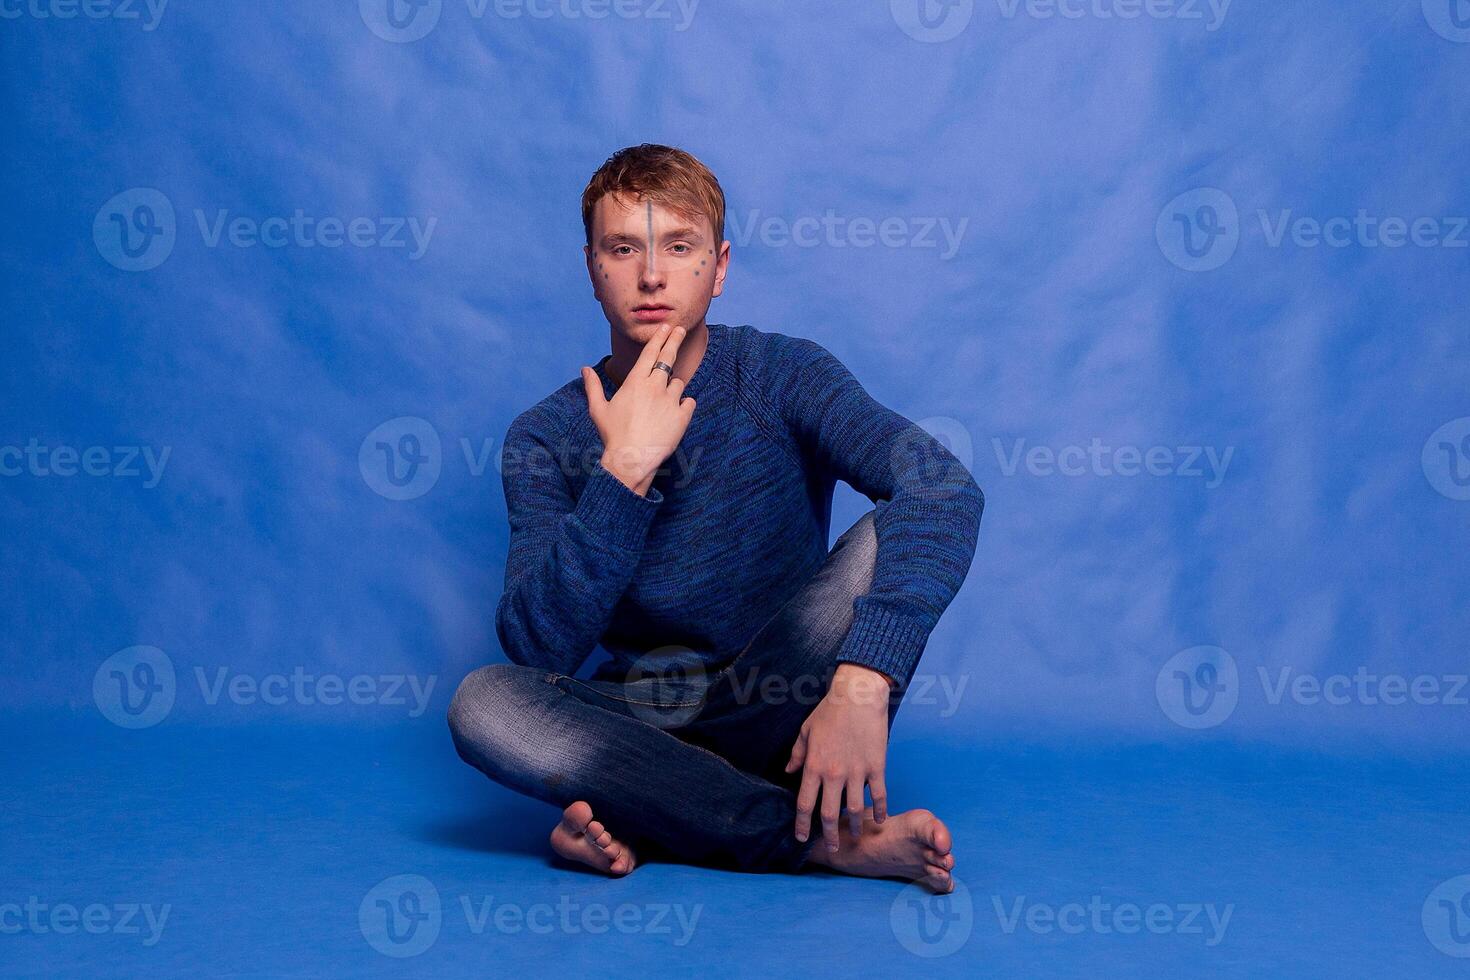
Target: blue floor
[(260, 851)]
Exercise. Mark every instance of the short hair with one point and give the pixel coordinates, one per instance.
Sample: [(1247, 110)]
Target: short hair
[(664, 175)]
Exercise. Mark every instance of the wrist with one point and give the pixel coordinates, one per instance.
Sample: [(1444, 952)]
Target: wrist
[(856, 684), (624, 465)]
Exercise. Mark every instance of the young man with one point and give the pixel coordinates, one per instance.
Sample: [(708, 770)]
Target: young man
[(673, 506)]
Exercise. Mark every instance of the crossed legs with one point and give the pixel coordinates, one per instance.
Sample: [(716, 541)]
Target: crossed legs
[(692, 767)]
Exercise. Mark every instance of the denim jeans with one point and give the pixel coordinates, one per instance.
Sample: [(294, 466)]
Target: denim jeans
[(682, 765)]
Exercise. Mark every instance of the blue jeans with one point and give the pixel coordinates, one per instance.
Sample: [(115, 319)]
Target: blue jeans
[(685, 764)]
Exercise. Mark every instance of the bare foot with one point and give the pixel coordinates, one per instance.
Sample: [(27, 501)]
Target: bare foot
[(577, 837), (913, 845)]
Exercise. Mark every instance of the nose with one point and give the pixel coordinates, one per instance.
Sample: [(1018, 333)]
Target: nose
[(651, 276)]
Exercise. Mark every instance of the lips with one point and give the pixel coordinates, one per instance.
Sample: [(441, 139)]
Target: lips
[(652, 313), (648, 307)]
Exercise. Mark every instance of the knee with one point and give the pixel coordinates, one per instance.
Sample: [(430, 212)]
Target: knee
[(859, 543), (479, 702)]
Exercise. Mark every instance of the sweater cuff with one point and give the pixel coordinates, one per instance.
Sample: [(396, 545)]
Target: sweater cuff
[(613, 511), (884, 640)]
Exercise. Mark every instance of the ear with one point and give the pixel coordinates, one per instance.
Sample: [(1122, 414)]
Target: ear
[(587, 253), (722, 266)]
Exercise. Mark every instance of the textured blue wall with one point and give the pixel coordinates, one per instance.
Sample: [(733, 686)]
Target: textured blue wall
[(1069, 241)]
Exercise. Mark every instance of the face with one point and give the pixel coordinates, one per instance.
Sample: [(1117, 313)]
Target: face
[(643, 284)]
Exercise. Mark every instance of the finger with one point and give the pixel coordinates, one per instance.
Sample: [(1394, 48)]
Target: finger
[(806, 802), (649, 354), (676, 385), (798, 753), (879, 789), (831, 806), (671, 346), (855, 806), (595, 398)]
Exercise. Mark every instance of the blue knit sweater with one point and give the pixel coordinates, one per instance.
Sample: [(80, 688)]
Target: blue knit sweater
[(736, 521)]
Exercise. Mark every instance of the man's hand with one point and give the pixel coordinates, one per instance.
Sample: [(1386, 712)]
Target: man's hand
[(642, 423), (843, 744)]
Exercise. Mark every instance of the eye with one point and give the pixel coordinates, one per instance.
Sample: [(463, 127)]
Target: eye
[(686, 248), (617, 249)]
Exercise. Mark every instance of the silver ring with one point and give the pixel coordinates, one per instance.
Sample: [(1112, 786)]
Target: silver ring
[(661, 366)]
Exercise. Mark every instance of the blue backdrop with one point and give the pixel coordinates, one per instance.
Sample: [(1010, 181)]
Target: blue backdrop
[(1183, 282)]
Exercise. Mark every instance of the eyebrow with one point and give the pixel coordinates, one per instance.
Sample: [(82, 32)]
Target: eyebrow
[(618, 237)]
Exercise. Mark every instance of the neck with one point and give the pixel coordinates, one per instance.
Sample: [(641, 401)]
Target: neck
[(625, 353)]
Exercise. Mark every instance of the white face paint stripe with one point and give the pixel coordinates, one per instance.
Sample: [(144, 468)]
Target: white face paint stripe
[(650, 238)]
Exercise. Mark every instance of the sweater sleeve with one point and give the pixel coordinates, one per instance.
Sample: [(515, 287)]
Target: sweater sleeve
[(570, 558), (928, 506)]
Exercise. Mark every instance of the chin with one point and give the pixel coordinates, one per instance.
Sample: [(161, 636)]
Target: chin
[(643, 332)]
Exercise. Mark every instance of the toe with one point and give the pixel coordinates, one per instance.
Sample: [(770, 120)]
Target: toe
[(936, 834), (940, 884), (577, 816), (943, 861)]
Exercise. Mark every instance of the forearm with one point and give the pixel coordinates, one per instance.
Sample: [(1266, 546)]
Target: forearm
[(565, 575), (928, 506)]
